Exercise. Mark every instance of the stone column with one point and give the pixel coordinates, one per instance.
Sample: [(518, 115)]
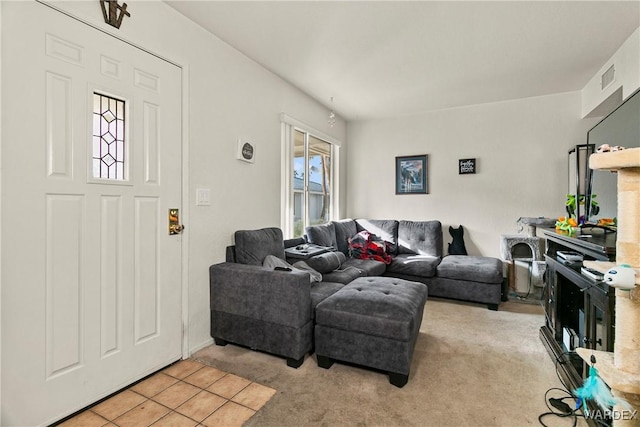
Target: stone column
[(626, 355)]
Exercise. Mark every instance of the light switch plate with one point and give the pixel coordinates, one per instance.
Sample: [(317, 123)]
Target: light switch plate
[(203, 197)]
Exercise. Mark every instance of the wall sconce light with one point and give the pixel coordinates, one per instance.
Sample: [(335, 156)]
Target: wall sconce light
[(110, 13)]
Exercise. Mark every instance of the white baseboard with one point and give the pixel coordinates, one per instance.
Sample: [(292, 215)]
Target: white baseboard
[(200, 346)]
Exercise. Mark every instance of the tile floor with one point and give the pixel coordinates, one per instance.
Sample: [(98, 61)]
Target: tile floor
[(187, 393)]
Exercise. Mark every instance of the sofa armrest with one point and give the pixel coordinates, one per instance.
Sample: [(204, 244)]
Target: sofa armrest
[(280, 297)]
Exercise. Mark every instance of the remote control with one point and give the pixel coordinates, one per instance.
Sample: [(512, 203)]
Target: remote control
[(282, 269), (592, 273)]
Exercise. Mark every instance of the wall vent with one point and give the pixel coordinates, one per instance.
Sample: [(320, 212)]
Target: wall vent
[(608, 77)]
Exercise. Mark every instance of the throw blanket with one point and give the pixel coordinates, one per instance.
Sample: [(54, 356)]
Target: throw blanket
[(272, 261), (365, 245)]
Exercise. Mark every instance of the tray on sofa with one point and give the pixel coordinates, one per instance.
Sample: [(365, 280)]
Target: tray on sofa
[(306, 251)]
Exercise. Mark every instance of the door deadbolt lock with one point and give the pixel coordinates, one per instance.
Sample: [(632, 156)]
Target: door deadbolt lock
[(174, 222)]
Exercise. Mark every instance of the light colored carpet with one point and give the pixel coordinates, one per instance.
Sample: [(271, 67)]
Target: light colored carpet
[(471, 367)]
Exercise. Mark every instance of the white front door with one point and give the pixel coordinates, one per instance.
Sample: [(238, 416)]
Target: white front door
[(91, 166)]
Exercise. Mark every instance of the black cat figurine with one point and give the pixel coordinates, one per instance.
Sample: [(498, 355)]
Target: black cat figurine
[(456, 247)]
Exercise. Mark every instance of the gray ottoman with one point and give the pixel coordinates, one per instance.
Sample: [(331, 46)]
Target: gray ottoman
[(374, 322), (470, 278)]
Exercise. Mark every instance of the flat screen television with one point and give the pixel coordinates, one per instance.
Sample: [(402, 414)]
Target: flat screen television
[(621, 128)]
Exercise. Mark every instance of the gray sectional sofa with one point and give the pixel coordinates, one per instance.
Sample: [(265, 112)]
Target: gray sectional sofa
[(275, 311), (416, 251)]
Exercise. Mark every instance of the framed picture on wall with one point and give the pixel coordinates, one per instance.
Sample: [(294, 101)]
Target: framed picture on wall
[(411, 174), (466, 166), (246, 151)]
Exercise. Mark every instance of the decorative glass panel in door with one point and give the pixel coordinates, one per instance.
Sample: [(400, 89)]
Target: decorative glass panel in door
[(109, 149)]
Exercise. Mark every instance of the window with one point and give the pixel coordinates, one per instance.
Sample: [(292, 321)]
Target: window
[(311, 181), (309, 193)]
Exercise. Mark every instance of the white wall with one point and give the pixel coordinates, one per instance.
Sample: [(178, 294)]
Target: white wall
[(597, 101), (227, 96), (521, 150)]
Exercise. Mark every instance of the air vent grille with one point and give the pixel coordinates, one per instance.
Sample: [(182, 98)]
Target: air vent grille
[(608, 77)]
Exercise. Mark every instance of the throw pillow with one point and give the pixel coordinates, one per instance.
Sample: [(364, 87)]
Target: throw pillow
[(326, 262), (252, 246), (322, 235), (456, 247)]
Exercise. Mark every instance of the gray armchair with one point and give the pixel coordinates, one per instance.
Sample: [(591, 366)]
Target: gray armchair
[(257, 307)]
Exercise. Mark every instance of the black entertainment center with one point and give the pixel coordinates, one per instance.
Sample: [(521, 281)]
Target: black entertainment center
[(579, 311)]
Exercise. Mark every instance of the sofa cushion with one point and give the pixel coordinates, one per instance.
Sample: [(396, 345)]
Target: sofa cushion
[(343, 275), (471, 268), (414, 265), (387, 230), (326, 262), (252, 246), (296, 241), (344, 230), (322, 235), (369, 266), (420, 238), (321, 291)]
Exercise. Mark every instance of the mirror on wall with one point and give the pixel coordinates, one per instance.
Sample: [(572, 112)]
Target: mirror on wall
[(579, 182)]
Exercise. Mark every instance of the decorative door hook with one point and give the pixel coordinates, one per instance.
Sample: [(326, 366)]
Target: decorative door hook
[(110, 13)]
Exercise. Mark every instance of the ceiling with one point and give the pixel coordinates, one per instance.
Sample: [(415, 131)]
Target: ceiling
[(394, 58)]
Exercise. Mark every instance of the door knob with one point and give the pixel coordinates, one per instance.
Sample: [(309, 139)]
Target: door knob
[(176, 228)]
